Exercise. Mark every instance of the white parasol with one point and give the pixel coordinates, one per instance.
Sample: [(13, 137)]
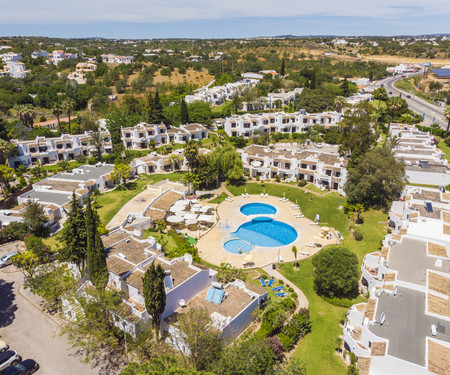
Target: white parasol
[(205, 218), (174, 219), (190, 216), (176, 208)]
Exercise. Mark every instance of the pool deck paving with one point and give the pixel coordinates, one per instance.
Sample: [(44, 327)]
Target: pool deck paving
[(210, 246)]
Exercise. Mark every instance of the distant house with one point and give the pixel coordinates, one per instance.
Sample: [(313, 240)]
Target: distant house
[(37, 54), (10, 57), (114, 59), (441, 73), (15, 69), (251, 75), (59, 55), (86, 67)]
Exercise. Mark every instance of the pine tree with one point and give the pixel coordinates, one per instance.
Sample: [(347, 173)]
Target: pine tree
[(154, 294), (184, 114), (74, 236), (96, 257), (282, 68)]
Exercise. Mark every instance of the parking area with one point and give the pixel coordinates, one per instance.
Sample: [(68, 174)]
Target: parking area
[(32, 333)]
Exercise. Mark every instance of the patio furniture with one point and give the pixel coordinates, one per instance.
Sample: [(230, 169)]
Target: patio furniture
[(266, 195), (282, 294), (262, 195), (278, 288), (263, 282), (243, 195), (271, 281), (246, 195)]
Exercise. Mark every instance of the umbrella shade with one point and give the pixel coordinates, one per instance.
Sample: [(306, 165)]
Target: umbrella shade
[(205, 218), (181, 213), (176, 208), (174, 219), (191, 222), (205, 209), (181, 203), (190, 216), (195, 209), (248, 258)]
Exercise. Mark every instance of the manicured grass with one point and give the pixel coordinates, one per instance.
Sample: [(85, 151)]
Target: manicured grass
[(314, 188), (111, 202), (55, 168), (316, 349), (375, 103), (161, 237), (425, 185), (220, 198), (442, 146)]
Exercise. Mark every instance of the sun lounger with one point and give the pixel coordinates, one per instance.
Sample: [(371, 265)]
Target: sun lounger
[(303, 253), (246, 195), (262, 195), (299, 216), (266, 195), (243, 195), (311, 244), (282, 294), (278, 288), (263, 282), (271, 281), (313, 223)]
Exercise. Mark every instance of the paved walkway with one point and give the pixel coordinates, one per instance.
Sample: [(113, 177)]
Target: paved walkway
[(302, 300)]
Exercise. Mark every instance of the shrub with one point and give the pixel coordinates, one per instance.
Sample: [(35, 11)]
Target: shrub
[(281, 282), (302, 183), (290, 290), (276, 346), (294, 295), (297, 327), (357, 235), (447, 141), (289, 304), (336, 273), (277, 178), (264, 276)]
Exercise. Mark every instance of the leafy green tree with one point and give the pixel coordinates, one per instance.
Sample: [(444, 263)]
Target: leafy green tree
[(200, 112), (154, 294), (227, 162), (447, 118), (375, 179), (184, 114), (35, 219), (121, 173), (114, 121), (356, 134), (162, 365), (191, 155), (380, 94), (206, 171), (202, 339), (95, 251), (352, 370), (345, 88), (396, 105), (68, 105), (339, 103), (336, 273), (97, 139), (227, 273), (25, 113), (6, 176), (74, 236), (237, 102)]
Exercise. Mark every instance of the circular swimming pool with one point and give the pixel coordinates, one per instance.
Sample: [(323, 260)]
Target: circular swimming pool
[(258, 209), (261, 231)]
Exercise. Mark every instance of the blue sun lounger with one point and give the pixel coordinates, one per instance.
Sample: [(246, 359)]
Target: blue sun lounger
[(277, 289), (263, 282), (282, 294), (271, 281)]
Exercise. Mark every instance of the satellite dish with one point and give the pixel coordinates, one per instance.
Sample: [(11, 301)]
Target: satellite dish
[(382, 318), (395, 291)]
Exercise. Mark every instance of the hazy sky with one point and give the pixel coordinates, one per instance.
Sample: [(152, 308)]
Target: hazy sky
[(229, 18)]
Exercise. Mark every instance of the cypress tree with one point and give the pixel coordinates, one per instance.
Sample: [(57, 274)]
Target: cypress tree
[(96, 257), (74, 236), (154, 294), (312, 84), (282, 68), (184, 114), (158, 109), (150, 109)]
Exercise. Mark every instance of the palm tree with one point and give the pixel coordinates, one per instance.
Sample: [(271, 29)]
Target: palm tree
[(68, 105), (97, 140), (447, 117), (57, 110), (25, 113), (394, 105), (294, 250), (339, 103), (359, 209)]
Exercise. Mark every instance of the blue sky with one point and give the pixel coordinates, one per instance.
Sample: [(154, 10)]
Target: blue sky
[(226, 19)]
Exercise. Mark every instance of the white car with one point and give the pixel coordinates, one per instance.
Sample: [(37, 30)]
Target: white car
[(5, 260), (3, 346), (8, 358)]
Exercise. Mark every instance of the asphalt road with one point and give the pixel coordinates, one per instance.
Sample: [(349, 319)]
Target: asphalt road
[(417, 104), (32, 333)]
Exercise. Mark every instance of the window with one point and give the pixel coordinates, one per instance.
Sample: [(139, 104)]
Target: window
[(328, 172), (304, 166), (127, 135), (337, 174), (141, 135), (287, 165), (233, 125), (275, 164), (313, 167)]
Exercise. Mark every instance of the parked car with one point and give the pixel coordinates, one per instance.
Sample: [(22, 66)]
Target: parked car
[(5, 260), (26, 367), (390, 92), (3, 346), (8, 358), (408, 96)]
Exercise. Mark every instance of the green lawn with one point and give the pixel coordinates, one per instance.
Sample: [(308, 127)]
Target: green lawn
[(161, 237), (111, 202), (314, 188), (407, 85), (442, 146), (375, 103), (317, 348), (220, 198)]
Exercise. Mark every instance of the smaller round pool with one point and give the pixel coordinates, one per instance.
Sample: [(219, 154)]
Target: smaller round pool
[(233, 246), (258, 209)]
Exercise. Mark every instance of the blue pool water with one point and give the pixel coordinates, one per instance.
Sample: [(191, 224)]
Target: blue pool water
[(262, 231), (258, 209), (233, 246)]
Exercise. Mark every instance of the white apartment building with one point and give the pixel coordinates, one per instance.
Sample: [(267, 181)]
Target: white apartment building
[(425, 163), (86, 67), (219, 94), (59, 55), (15, 69), (403, 328), (272, 100), (115, 59), (321, 168), (10, 57), (52, 150), (249, 125), (142, 136)]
